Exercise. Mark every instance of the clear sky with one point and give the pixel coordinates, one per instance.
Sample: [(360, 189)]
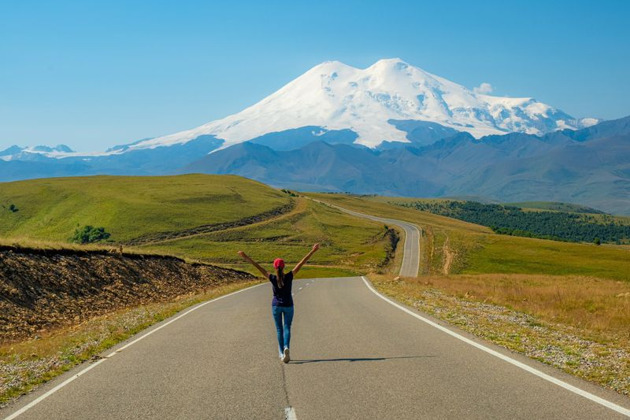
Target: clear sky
[(93, 74)]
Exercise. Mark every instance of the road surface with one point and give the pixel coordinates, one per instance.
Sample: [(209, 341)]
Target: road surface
[(355, 356)]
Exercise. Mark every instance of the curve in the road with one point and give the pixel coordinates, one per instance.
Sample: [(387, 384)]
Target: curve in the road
[(411, 254)]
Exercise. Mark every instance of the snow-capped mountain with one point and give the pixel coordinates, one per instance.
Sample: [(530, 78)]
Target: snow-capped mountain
[(34, 153), (335, 96)]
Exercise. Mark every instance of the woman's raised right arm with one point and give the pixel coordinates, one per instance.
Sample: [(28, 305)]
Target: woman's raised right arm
[(254, 263)]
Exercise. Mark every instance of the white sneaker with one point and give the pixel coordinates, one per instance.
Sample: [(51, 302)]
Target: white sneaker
[(286, 357)]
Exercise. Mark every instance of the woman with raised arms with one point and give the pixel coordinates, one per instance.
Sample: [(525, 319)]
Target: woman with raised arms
[(282, 303)]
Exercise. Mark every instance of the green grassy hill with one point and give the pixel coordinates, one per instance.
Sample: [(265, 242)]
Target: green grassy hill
[(129, 207), (201, 217)]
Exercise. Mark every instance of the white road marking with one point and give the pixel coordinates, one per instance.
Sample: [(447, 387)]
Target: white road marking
[(93, 365), (52, 391), (289, 413), (505, 358)]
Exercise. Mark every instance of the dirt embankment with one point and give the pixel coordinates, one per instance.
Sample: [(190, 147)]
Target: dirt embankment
[(41, 290), (391, 245)]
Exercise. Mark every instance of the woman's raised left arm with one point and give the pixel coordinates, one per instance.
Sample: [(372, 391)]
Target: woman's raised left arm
[(254, 263)]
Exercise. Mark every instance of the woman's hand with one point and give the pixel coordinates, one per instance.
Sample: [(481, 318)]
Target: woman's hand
[(241, 253), (315, 247)]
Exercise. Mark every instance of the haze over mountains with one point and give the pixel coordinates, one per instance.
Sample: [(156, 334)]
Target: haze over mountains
[(389, 129)]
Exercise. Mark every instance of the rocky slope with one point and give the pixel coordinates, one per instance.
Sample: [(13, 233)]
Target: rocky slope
[(41, 290)]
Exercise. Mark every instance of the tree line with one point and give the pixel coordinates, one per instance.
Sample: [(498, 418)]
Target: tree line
[(511, 220)]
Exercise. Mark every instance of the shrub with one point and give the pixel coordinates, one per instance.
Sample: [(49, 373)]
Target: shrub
[(88, 234)]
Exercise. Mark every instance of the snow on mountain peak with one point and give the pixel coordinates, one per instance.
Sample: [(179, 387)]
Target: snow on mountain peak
[(336, 96)]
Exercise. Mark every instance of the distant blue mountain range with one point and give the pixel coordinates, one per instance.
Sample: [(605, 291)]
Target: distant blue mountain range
[(590, 166)]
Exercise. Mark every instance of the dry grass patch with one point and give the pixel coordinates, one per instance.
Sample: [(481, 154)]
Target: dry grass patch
[(597, 305), (578, 324)]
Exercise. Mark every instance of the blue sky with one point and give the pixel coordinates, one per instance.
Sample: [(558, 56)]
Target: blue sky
[(95, 74)]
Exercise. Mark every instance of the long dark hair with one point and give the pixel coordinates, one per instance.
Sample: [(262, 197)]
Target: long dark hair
[(280, 275)]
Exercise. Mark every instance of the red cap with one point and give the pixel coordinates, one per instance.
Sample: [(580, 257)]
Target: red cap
[(278, 263)]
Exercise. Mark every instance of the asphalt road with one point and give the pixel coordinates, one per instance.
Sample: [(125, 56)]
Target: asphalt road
[(355, 356)]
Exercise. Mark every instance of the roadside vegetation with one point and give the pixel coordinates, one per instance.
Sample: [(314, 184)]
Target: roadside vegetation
[(577, 324)]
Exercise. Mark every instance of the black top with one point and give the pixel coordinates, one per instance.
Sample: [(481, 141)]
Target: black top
[(282, 297)]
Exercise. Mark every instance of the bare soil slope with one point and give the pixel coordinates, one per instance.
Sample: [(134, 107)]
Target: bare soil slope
[(42, 289)]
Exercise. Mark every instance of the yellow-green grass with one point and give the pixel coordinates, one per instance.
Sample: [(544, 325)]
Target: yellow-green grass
[(475, 249), (128, 207), (599, 306), (349, 245), (509, 254)]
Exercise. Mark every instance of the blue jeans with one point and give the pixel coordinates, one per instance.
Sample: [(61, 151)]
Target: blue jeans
[(284, 331)]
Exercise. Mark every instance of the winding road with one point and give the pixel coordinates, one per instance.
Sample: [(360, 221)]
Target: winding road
[(411, 249), (356, 355)]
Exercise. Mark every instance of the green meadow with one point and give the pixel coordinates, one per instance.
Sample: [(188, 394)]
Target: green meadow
[(49, 211), (128, 207)]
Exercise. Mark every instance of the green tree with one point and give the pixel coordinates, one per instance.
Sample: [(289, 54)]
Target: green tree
[(89, 234)]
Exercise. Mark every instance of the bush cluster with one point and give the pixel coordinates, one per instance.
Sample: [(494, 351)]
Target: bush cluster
[(88, 234)]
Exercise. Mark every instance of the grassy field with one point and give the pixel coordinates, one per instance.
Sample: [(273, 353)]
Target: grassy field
[(128, 207), (351, 244), (49, 210)]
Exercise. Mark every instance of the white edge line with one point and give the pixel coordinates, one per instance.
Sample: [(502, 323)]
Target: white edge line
[(505, 358), (93, 365), (289, 413)]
